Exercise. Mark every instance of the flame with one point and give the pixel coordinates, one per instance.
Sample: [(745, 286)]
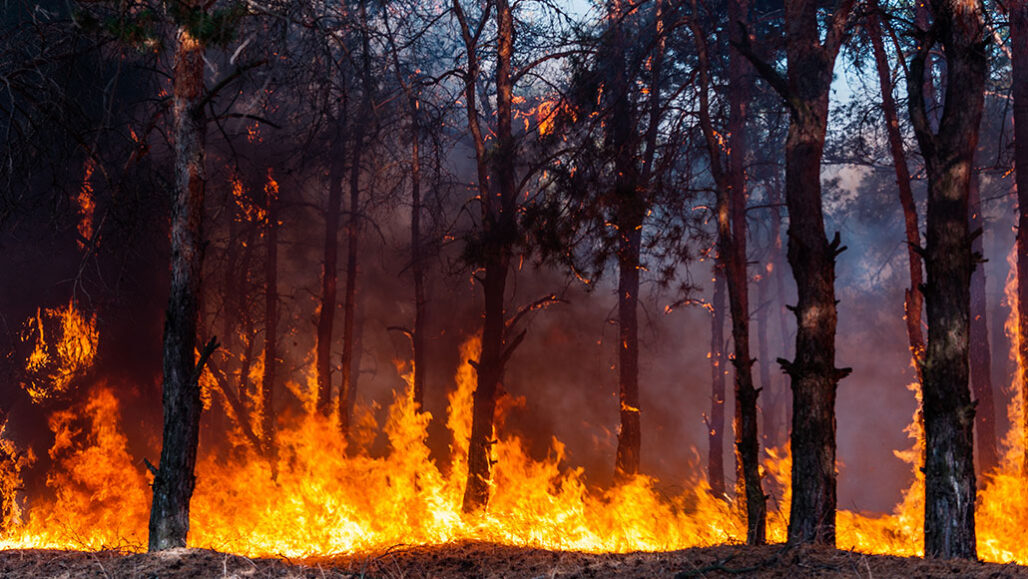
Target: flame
[(86, 204), (69, 352), (324, 495)]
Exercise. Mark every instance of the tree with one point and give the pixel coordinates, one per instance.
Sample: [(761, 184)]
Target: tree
[(347, 391), (268, 380), (329, 264), (729, 176), (913, 303), (499, 231), (174, 480), (949, 157), (980, 352), (716, 421), (805, 89)]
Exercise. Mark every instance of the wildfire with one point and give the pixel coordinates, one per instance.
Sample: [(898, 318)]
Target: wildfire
[(321, 497)]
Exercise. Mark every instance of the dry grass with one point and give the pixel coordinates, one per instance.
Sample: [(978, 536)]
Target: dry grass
[(484, 560)]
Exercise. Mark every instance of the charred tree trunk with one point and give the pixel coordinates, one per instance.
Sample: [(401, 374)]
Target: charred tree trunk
[(329, 274), (630, 210), (747, 442), (716, 423), (174, 480), (629, 247), (358, 347), (812, 257), (914, 300), (347, 390), (499, 230), (417, 335), (730, 179), (769, 409), (778, 261), (268, 381), (1019, 60), (417, 261), (350, 295), (949, 156), (980, 352)]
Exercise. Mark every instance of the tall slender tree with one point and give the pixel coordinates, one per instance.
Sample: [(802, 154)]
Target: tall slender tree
[(270, 377), (174, 480), (729, 175), (498, 233), (716, 420), (980, 350), (329, 264), (805, 89), (347, 391), (913, 304), (948, 154)]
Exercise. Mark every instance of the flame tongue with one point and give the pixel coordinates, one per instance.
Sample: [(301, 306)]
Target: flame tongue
[(322, 498)]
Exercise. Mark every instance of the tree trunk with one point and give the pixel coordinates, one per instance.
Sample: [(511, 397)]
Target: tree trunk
[(949, 156), (417, 261), (747, 442), (268, 381), (730, 180), (778, 261), (813, 373), (629, 212), (350, 295), (914, 300), (498, 236), (329, 275), (348, 389), (1019, 60), (174, 480), (629, 246), (980, 352), (769, 409), (716, 423)]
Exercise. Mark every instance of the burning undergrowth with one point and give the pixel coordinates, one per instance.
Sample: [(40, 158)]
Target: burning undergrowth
[(317, 493)]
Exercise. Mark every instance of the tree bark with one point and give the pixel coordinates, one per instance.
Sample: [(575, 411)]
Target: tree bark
[(980, 351), (949, 156), (716, 423), (174, 480), (769, 409), (1019, 60), (347, 391), (350, 293), (730, 180), (815, 378), (499, 230), (630, 210), (417, 260), (914, 300), (747, 441), (268, 380), (329, 274)]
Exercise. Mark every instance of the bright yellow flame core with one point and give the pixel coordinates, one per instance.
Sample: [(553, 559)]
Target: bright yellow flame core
[(63, 344), (324, 498)]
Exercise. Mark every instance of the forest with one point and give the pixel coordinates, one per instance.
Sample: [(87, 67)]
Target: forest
[(296, 279)]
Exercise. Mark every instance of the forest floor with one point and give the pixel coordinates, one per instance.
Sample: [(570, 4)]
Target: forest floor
[(483, 560)]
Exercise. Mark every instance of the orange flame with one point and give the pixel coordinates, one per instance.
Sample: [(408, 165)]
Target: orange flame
[(69, 352), (86, 204), (323, 498)]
